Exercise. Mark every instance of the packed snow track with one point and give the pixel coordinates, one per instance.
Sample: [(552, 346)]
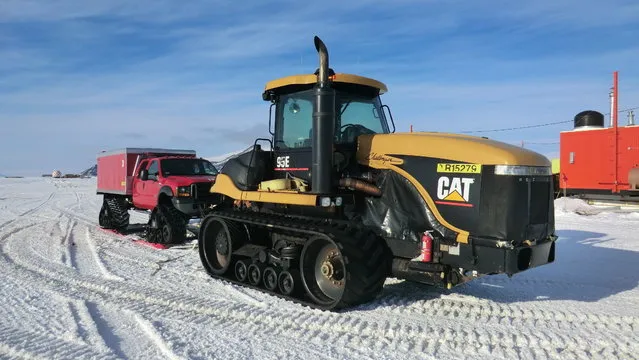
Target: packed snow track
[(70, 290)]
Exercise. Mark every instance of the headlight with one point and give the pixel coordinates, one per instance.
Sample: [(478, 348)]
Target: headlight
[(519, 170), (184, 191)]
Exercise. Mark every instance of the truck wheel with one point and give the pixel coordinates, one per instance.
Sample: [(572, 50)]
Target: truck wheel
[(171, 225)]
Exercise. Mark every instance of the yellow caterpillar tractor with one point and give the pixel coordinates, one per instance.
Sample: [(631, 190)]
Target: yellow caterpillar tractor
[(339, 202)]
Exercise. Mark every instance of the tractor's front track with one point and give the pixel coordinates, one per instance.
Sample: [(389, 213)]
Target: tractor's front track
[(319, 263)]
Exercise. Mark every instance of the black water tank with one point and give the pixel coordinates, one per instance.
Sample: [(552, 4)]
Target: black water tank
[(589, 118)]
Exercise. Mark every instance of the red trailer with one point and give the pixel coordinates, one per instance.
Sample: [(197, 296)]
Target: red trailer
[(116, 168)]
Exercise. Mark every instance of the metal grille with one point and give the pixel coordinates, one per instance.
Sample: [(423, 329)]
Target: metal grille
[(201, 190), (539, 201)]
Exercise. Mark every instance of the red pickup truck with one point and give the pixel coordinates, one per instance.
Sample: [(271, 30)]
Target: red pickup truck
[(172, 185)]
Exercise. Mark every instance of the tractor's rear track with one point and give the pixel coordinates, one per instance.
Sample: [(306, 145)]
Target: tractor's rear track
[(365, 250)]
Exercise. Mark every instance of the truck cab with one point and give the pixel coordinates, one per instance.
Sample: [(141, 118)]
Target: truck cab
[(184, 181)]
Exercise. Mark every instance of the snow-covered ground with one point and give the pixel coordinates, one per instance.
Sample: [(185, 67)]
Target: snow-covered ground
[(70, 290)]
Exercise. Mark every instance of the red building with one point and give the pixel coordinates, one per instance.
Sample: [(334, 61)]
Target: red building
[(596, 160)]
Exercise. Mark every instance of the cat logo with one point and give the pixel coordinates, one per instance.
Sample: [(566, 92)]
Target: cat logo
[(454, 191)]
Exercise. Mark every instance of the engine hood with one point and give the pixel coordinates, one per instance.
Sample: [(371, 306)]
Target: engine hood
[(178, 180), (380, 148)]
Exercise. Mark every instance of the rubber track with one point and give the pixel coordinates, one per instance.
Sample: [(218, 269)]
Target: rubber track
[(119, 213), (175, 219), (178, 224), (375, 265)]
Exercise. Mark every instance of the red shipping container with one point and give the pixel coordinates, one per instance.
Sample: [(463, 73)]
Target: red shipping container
[(116, 168)]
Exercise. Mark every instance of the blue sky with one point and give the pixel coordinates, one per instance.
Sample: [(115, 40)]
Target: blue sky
[(77, 77)]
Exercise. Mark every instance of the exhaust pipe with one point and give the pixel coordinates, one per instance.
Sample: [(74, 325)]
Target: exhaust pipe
[(360, 185), (322, 75), (323, 126)]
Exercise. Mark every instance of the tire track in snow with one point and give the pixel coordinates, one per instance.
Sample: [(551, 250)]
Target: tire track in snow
[(18, 229), (86, 329), (113, 330), (412, 335), (150, 266), (371, 332), (181, 308), (377, 334), (80, 218), (126, 334), (41, 345), (69, 255), (493, 312), (77, 204), (82, 251), (104, 329), (28, 212), (150, 332), (92, 325), (91, 247), (540, 284), (24, 308)]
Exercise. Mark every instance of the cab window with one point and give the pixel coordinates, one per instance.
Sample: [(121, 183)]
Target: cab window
[(153, 170), (296, 114), (356, 115), (143, 165)]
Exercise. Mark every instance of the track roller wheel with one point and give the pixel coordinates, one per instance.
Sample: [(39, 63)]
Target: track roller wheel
[(241, 271), (254, 274), (217, 241), (270, 278), (287, 282), (338, 273)]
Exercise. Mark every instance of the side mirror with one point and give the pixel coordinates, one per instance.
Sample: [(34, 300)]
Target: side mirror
[(144, 175)]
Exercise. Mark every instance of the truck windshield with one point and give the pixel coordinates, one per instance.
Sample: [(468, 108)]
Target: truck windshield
[(187, 167)]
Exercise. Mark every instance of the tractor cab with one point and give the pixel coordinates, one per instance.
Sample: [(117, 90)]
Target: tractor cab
[(315, 121), (355, 109)]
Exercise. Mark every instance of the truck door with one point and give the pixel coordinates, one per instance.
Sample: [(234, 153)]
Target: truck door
[(138, 185), (145, 193), (152, 186)]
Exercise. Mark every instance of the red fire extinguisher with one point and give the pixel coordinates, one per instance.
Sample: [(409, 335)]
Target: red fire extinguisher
[(427, 247)]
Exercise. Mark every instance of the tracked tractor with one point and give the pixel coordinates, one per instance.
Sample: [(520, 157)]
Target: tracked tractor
[(339, 201)]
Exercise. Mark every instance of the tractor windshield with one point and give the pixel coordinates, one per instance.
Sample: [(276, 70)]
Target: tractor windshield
[(187, 167), (355, 115)]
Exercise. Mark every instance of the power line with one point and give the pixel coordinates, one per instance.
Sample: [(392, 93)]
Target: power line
[(624, 110), (517, 128), (539, 143), (534, 126)]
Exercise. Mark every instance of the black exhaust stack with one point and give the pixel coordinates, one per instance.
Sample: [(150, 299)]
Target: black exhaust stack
[(323, 126)]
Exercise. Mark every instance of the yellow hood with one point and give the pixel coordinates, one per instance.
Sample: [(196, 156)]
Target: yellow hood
[(453, 147)]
